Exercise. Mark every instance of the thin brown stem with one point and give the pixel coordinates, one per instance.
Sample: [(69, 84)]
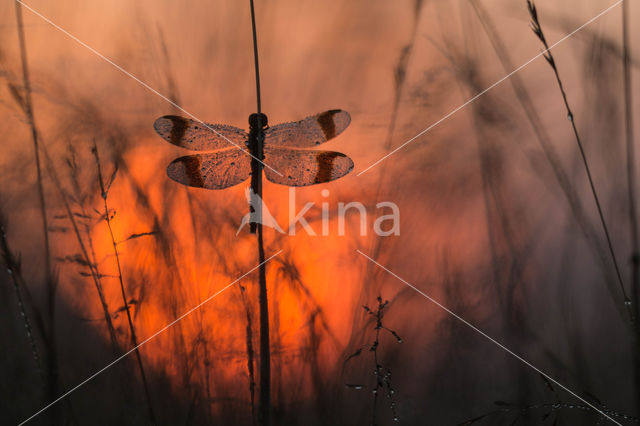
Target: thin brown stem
[(134, 340), (542, 136), (382, 378), (250, 353), (631, 165), (13, 268), (537, 29), (90, 255), (264, 411), (27, 106), (631, 178), (400, 80)]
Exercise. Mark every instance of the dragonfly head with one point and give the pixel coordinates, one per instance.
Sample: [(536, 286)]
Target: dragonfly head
[(258, 121)]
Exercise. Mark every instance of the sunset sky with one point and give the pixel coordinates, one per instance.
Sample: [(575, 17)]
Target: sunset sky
[(497, 222)]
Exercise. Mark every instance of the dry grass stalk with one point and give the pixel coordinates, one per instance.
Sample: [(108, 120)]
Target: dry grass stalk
[(631, 165), (547, 410), (88, 256), (104, 191), (560, 174), (537, 29), (250, 352), (24, 97), (400, 83), (12, 263), (382, 377)]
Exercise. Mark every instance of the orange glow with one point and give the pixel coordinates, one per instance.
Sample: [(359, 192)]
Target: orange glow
[(315, 56)]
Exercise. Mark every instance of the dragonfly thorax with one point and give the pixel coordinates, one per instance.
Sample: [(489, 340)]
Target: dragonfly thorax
[(258, 121)]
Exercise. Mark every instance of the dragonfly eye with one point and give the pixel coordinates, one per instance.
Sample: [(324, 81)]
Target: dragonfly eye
[(258, 121)]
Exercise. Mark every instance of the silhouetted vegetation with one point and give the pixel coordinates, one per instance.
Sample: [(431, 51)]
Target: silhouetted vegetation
[(101, 251)]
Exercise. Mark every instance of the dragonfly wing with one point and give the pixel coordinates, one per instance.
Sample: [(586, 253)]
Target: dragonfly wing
[(309, 132), (302, 167), (216, 170), (193, 135)]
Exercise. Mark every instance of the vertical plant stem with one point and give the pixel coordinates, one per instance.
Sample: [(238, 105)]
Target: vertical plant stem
[(13, 268), (95, 274), (264, 413), (631, 166), (252, 382), (560, 174), (382, 379), (90, 254), (207, 376), (255, 56), (27, 106), (250, 357), (463, 64), (631, 180), (400, 78), (377, 366), (134, 340), (537, 29), (264, 409)]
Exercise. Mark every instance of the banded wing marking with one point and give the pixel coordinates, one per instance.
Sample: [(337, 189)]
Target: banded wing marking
[(305, 167), (190, 134), (311, 131), (216, 170)]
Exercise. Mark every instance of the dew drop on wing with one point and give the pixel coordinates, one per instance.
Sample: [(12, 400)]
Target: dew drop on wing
[(217, 170), (191, 134), (305, 167), (309, 132)]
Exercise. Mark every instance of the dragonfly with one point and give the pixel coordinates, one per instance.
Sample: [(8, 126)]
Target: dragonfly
[(281, 151)]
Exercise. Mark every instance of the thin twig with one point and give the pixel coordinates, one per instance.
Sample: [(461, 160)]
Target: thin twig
[(382, 378), (134, 340)]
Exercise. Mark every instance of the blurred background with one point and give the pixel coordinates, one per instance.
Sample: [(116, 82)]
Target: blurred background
[(497, 219)]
